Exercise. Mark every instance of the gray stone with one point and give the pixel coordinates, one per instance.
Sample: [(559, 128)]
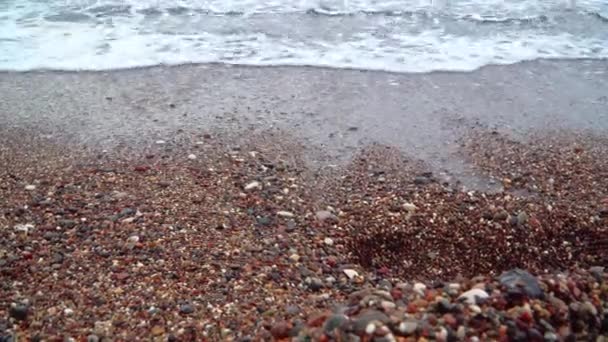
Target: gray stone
[(186, 309), (325, 215), (367, 317), (334, 322), (521, 280), (19, 311), (314, 283)]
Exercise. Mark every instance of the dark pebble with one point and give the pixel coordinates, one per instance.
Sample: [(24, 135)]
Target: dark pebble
[(67, 223), (19, 312), (518, 279), (186, 309), (421, 180)]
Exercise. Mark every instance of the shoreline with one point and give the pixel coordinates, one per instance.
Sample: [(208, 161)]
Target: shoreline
[(538, 61)]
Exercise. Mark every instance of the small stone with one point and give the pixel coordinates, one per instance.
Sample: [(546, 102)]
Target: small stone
[(370, 316), (421, 180), (328, 241), (280, 330), (186, 309), (408, 327), (314, 283), (292, 310), (24, 228), (157, 330), (192, 156), (19, 311), (334, 322), (285, 214), (420, 288), (92, 338), (30, 187), (253, 186), (325, 215), (387, 305), (522, 218), (294, 257), (473, 296), (370, 328), (68, 312), (501, 216), (160, 142), (410, 207), (350, 273), (518, 279)]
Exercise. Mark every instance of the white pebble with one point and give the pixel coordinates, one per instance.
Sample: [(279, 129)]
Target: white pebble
[(351, 273), (191, 156), (410, 207), (294, 257), (24, 228), (370, 328), (420, 288), (329, 241), (30, 187), (253, 185), (285, 214), (470, 297), (160, 142), (68, 312)]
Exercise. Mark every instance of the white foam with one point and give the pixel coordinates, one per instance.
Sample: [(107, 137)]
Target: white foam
[(28, 41)]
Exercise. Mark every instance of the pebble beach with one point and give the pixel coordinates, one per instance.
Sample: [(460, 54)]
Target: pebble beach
[(250, 233)]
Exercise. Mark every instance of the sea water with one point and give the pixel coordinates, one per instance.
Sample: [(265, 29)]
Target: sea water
[(392, 35)]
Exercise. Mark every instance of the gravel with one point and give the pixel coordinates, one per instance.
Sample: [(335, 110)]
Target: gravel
[(231, 248)]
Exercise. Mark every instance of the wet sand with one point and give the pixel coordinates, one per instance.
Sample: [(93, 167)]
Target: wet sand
[(333, 112)]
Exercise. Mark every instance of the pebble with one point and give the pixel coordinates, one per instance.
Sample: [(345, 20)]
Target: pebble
[(285, 214), (473, 296), (93, 338), (280, 330), (186, 309), (314, 283), (253, 186), (294, 257), (30, 187), (325, 215), (350, 273), (410, 207), (420, 288), (518, 279), (407, 327), (19, 311), (192, 156), (328, 241)]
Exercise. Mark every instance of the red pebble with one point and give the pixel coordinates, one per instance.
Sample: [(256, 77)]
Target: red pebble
[(396, 293), (142, 168), (27, 255), (384, 270)]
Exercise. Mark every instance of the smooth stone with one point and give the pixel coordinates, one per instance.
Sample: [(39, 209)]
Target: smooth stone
[(186, 309), (253, 185), (325, 215), (369, 316), (473, 296), (351, 273), (92, 338), (285, 214), (334, 322), (420, 288), (408, 327), (19, 311), (328, 241), (517, 279), (314, 283), (192, 156), (30, 187)]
